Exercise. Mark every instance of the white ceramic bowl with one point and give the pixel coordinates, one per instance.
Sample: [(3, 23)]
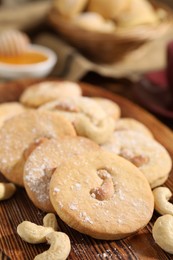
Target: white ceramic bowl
[(34, 70)]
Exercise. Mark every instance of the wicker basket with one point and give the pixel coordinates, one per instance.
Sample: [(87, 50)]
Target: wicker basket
[(109, 47)]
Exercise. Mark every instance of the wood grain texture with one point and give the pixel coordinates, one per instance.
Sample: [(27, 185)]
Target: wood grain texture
[(12, 212)]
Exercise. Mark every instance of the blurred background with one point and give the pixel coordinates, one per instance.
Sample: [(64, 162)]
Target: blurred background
[(130, 61)]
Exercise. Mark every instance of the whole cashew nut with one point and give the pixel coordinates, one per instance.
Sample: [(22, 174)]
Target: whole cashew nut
[(33, 233), (161, 200), (106, 190), (6, 190), (50, 221), (59, 247), (162, 233)]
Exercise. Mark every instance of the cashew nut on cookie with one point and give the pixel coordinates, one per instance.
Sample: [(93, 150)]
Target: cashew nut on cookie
[(161, 200), (7, 190), (162, 232), (106, 190), (59, 247)]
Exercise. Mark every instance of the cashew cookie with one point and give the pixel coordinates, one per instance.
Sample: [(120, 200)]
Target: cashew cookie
[(41, 93), (87, 116), (43, 161), (132, 124), (94, 196), (146, 153), (22, 133), (10, 109)]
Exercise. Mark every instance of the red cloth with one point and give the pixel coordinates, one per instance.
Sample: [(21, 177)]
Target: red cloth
[(155, 90)]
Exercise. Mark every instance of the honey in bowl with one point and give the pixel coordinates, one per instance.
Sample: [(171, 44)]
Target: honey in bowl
[(31, 57), (20, 58)]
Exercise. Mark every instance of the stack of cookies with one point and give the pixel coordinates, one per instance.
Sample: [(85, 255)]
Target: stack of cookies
[(77, 157)]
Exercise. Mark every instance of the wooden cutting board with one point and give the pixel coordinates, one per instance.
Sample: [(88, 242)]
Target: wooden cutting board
[(19, 207)]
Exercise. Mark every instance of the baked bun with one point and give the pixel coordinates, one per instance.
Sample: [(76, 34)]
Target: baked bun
[(108, 9), (69, 8), (139, 12), (94, 22)]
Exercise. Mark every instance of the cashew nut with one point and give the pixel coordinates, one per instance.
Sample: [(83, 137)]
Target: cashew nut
[(161, 200), (59, 242), (33, 233), (59, 247), (163, 233), (106, 190), (6, 190), (50, 221), (137, 160)]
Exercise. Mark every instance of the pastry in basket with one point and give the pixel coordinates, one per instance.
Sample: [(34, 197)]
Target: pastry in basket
[(128, 123), (139, 12), (94, 22), (41, 93), (43, 161), (108, 9), (88, 117), (69, 8), (22, 133), (146, 153), (102, 195), (110, 107), (10, 109), (13, 43)]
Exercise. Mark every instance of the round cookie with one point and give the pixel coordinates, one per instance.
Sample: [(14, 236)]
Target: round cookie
[(88, 117), (22, 133), (146, 153), (132, 124), (43, 161), (10, 109), (111, 108), (41, 93), (103, 196)]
